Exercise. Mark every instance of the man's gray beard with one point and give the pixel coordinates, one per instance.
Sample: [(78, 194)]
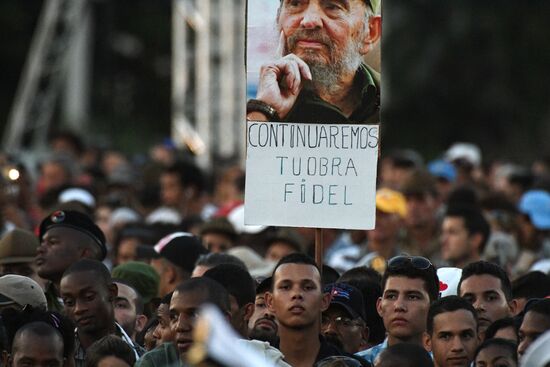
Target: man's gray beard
[(327, 77)]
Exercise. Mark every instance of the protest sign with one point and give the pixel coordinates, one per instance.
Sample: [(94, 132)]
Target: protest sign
[(311, 175)]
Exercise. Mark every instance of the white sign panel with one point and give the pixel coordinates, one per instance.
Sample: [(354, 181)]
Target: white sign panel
[(311, 175)]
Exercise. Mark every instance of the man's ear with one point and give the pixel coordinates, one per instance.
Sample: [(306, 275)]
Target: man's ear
[(141, 320), (365, 333), (7, 360), (325, 302), (171, 274), (379, 306), (513, 306), (268, 297), (374, 34), (427, 341), (248, 311), (476, 239)]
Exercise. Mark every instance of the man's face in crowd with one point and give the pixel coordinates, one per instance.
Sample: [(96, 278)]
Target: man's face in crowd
[(127, 250), (297, 298), (59, 249), (387, 227), (534, 324), (125, 307), (30, 349), (166, 275), (88, 303), (454, 339), (183, 314), (456, 243), (340, 329), (163, 331), (216, 242), (262, 325), (171, 190), (495, 356), (239, 316), (277, 250), (420, 210), (327, 34), (485, 293), (404, 307)]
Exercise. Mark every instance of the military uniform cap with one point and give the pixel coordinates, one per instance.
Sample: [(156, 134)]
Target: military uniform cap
[(141, 276), (77, 221)]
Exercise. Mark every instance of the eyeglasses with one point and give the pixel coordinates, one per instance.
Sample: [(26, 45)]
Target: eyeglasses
[(340, 322), (418, 262)]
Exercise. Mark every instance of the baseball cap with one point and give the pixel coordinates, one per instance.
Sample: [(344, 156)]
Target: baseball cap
[(536, 204), (141, 276), (255, 264), (180, 248), (347, 296), (448, 281), (21, 291), (390, 201), (236, 217), (464, 151), (219, 225), (77, 221), (419, 182), (442, 169), (374, 5), (77, 194), (18, 246)]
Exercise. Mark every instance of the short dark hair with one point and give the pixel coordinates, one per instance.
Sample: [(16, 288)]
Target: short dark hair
[(213, 291), (534, 284), (15, 320), (39, 328), (487, 268), (505, 344), (213, 259), (405, 355), (188, 174), (540, 306), (501, 324), (474, 221), (408, 270), (99, 270), (109, 345), (295, 258), (329, 275), (236, 280), (448, 304), (166, 299)]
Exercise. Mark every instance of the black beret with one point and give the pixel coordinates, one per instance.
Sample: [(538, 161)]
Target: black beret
[(77, 221)]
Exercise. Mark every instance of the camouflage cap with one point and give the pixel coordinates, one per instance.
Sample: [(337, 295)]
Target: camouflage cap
[(374, 5), (142, 277)]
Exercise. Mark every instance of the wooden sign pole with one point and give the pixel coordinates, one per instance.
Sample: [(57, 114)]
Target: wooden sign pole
[(319, 248)]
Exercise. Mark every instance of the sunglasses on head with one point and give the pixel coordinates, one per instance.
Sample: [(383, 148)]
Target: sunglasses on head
[(418, 262)]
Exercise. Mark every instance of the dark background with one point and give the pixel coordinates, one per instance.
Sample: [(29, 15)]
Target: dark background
[(466, 70)]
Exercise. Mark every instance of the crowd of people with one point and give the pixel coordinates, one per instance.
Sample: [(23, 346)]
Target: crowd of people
[(108, 261)]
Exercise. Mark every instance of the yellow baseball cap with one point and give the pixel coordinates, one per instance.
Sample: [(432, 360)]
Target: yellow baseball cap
[(391, 201)]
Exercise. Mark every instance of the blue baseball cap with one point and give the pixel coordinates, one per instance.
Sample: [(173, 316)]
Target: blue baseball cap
[(536, 204), (442, 169)]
